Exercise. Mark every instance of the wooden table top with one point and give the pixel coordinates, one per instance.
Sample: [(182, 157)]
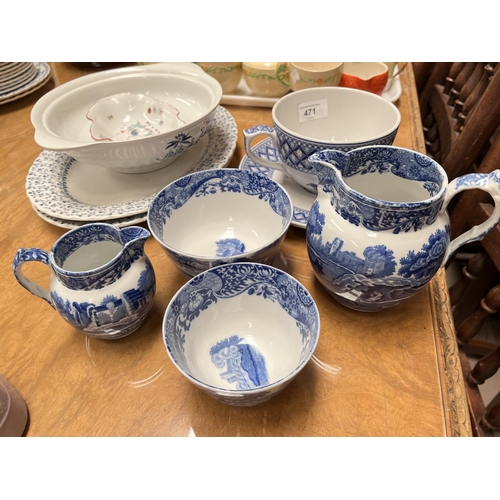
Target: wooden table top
[(390, 373)]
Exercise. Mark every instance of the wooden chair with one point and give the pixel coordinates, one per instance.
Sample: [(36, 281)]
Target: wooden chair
[(460, 109)]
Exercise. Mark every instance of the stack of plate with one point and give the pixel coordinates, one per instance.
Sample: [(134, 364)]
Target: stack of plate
[(18, 79), (69, 193)]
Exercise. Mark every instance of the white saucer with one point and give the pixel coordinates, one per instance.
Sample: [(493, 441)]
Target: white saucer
[(302, 200), (40, 78), (64, 188), (70, 224)]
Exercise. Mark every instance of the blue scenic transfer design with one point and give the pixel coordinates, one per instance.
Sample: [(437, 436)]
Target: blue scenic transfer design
[(373, 277), (113, 314), (229, 247), (378, 215), (242, 363), (117, 315), (369, 271)]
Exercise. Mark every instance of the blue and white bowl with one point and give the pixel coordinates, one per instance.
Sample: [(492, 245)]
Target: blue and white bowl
[(241, 332), (220, 216)]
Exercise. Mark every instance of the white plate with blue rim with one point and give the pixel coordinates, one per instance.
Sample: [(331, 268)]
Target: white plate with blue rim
[(40, 78), (63, 188), (302, 200)]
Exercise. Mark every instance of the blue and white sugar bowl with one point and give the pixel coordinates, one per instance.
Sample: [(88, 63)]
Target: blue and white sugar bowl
[(218, 216), (102, 282), (241, 332)]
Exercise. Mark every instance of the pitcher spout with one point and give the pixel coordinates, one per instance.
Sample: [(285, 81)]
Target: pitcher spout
[(133, 239), (328, 166)]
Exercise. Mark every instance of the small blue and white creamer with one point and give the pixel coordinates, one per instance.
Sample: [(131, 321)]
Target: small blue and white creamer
[(102, 282)]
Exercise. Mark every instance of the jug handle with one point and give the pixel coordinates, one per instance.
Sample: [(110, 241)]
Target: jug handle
[(24, 255), (250, 134), (486, 182)]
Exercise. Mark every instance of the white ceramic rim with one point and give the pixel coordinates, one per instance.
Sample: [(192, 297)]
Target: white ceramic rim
[(382, 68), (19, 81), (48, 140), (345, 90), (202, 258), (9, 75), (334, 67), (41, 77), (232, 392), (72, 224)]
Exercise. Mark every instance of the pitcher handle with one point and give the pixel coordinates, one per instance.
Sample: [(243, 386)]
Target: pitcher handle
[(486, 182), (250, 134), (24, 255)]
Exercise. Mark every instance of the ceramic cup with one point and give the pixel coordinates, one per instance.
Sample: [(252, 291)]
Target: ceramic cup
[(304, 75), (368, 76), (310, 120), (228, 74), (266, 79)]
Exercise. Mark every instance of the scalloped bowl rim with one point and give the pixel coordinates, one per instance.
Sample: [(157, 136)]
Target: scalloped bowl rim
[(93, 117)]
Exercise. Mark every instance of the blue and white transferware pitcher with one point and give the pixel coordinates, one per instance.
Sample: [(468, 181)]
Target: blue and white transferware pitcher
[(379, 230), (101, 283)]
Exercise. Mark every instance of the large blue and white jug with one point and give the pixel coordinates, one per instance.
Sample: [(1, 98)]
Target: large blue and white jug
[(379, 230), (102, 282)]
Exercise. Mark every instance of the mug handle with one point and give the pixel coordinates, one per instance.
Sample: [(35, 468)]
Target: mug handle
[(24, 255), (250, 134), (486, 182)]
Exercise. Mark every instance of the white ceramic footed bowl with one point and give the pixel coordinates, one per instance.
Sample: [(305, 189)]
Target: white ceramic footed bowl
[(61, 123), (241, 332), (128, 117), (219, 216)]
